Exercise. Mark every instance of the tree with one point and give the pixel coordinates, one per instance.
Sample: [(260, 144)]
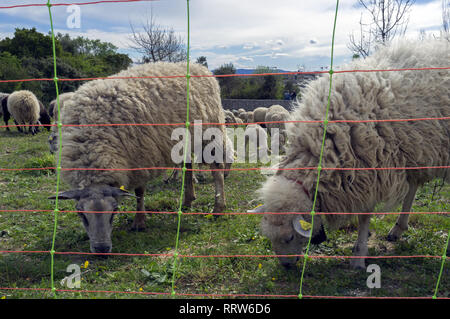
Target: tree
[(29, 42), (388, 19), (227, 84), (158, 43), (202, 60)]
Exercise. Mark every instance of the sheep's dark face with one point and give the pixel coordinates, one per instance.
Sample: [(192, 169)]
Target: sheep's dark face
[(96, 206)]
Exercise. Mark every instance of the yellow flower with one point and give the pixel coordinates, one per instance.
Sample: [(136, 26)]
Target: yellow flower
[(85, 265), (140, 289), (3, 297), (259, 266), (273, 278)]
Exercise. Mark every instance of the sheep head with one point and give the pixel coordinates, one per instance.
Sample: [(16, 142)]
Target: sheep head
[(98, 225), (289, 233)]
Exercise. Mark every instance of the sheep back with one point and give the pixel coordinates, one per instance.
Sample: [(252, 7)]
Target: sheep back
[(24, 107), (140, 101), (374, 96)]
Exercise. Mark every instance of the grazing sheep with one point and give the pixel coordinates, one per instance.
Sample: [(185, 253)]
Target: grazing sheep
[(229, 117), (277, 113), (259, 115), (246, 117), (256, 140), (140, 101), (24, 108), (362, 96)]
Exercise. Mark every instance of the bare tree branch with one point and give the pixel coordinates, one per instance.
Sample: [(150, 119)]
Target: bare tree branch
[(157, 43), (388, 19)]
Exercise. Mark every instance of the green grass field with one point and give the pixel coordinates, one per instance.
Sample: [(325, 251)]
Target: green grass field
[(200, 235)]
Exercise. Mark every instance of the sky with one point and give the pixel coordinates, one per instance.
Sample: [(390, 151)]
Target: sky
[(286, 34)]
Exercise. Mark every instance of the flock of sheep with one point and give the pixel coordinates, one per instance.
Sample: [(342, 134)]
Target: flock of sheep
[(360, 147)]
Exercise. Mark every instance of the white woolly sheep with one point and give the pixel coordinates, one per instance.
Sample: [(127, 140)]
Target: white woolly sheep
[(276, 113), (246, 117), (138, 101), (362, 96), (259, 115), (24, 108), (256, 140)]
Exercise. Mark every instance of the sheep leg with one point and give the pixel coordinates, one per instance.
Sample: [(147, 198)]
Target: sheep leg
[(219, 203), (6, 117), (189, 191), (139, 219), (360, 248), (402, 221), (19, 128)]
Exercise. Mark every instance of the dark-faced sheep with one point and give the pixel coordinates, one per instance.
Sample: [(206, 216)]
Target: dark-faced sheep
[(24, 108), (116, 156), (399, 144)]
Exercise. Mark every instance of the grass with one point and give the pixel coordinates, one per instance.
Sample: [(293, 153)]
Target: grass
[(200, 235)]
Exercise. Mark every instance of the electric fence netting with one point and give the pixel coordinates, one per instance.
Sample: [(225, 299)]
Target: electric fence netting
[(176, 255)]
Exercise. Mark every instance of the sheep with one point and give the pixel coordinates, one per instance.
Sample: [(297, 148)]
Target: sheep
[(229, 117), (256, 140), (259, 115), (24, 107), (139, 101), (277, 113), (361, 96), (246, 117)]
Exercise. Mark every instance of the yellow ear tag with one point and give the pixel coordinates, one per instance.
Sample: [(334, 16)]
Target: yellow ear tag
[(305, 225)]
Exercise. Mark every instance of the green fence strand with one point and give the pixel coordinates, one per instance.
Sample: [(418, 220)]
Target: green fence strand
[(186, 151), (444, 258), (58, 168), (319, 167)]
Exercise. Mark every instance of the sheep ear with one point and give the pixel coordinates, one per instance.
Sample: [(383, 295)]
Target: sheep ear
[(301, 226), (73, 194)]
